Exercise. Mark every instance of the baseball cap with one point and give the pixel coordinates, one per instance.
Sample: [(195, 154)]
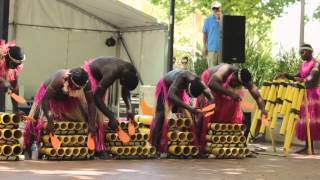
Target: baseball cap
[(215, 4)]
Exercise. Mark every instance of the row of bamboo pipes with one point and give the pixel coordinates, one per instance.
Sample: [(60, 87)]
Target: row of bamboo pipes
[(228, 152), (9, 134), (67, 140), (134, 137), (69, 126), (225, 139), (183, 150), (282, 99), (6, 118), (10, 150), (226, 127), (132, 150), (180, 123), (180, 136), (67, 151)]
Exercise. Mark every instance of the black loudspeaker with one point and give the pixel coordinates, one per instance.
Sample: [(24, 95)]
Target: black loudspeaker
[(233, 39)]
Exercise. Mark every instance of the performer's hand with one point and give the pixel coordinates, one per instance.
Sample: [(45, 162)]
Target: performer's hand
[(130, 116), (235, 97), (264, 113), (299, 79), (196, 111), (113, 124)]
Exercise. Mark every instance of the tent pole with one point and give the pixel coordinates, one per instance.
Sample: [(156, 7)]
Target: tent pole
[(171, 36)]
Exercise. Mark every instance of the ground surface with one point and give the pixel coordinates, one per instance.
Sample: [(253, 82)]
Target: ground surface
[(260, 168)]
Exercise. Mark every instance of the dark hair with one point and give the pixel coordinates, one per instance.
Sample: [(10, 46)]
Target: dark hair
[(306, 45), (196, 87), (129, 80), (244, 75), (16, 53), (79, 76)]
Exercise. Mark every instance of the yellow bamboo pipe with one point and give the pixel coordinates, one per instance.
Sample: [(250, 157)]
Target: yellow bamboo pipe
[(63, 126), (83, 151), (176, 150), (73, 140), (194, 150), (263, 127), (235, 139), (214, 126), (14, 119), (179, 123), (90, 152), (145, 151), (80, 139), (49, 151), (289, 92), (182, 136), (209, 138), (253, 126), (208, 149), (215, 139), (146, 137), (60, 152), (189, 136), (223, 127), (16, 150), (111, 136), (126, 151), (65, 140), (4, 118), (116, 150), (218, 151), (241, 152), (145, 119), (246, 151), (229, 127), (172, 136), (152, 150), (6, 134), (222, 139), (187, 122), (123, 125), (67, 151), (234, 152), (235, 127), (71, 126), (227, 151), (242, 139), (75, 151), (84, 126), (139, 137), (6, 150), (133, 137), (229, 139), (139, 125), (274, 117), (46, 139), (307, 121), (77, 126), (172, 122), (17, 134), (139, 150), (242, 127), (294, 93), (186, 150), (133, 151)]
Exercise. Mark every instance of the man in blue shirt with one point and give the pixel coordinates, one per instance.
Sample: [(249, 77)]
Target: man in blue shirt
[(211, 35)]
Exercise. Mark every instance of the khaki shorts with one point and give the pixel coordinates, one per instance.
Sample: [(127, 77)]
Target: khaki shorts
[(212, 59)]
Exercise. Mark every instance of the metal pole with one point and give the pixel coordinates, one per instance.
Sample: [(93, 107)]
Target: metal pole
[(302, 22), (4, 23), (171, 36)]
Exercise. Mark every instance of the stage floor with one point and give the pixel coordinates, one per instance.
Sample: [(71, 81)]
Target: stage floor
[(263, 167)]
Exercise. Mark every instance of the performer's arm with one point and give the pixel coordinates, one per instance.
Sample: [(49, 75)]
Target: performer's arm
[(125, 93), (14, 89), (207, 94), (257, 97), (91, 108), (215, 84), (50, 92)]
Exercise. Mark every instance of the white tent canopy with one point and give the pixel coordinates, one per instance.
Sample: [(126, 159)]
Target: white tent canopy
[(59, 34)]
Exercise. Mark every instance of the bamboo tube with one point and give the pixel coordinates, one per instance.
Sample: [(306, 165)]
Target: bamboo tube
[(64, 140), (83, 151), (124, 125), (176, 150), (139, 137), (230, 127), (90, 152), (243, 127), (218, 151), (73, 140), (4, 118), (139, 150), (144, 130), (71, 126), (146, 137), (215, 139), (6, 134), (208, 149), (227, 151), (229, 139), (222, 139), (116, 150), (145, 119), (126, 151), (187, 123), (235, 139), (214, 126), (194, 150), (46, 139), (80, 139), (111, 136), (189, 136), (75, 151), (0, 135), (182, 136), (139, 125), (67, 151), (84, 126), (246, 151), (133, 151), (17, 134), (63, 126), (186, 150), (179, 123), (6, 150), (14, 119), (173, 136), (152, 150), (16, 150), (49, 151), (145, 151), (241, 152), (235, 127), (133, 137), (295, 92), (253, 126), (242, 139), (60, 152), (223, 127), (77, 126), (234, 151)]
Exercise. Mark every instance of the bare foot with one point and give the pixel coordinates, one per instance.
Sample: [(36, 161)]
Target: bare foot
[(302, 151)]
